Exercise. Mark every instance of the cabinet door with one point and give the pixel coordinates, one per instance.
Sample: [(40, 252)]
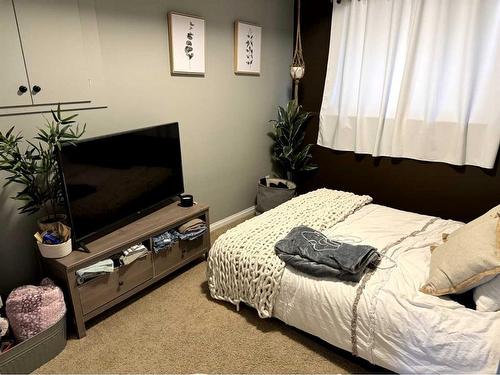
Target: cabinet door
[(52, 40), (12, 72)]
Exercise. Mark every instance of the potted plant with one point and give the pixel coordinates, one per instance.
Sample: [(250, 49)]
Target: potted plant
[(33, 165), (290, 155)]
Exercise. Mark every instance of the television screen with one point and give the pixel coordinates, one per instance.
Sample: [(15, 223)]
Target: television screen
[(112, 180)]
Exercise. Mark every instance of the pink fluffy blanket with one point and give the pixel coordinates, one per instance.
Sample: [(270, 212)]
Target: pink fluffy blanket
[(32, 309)]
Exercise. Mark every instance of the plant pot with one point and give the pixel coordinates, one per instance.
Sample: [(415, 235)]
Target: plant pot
[(270, 197), (55, 251), (49, 223)]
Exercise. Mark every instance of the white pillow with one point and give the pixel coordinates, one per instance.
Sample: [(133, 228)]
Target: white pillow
[(487, 295)]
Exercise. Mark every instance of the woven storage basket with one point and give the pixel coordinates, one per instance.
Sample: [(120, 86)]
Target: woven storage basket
[(32, 353), (269, 197)]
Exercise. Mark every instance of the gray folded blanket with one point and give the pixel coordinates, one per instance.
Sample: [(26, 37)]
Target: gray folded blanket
[(311, 252)]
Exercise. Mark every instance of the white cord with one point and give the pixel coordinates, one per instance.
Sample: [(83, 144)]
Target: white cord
[(351, 240), (394, 264)]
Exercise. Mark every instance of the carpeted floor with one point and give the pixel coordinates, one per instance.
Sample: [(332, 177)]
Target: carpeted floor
[(175, 327)]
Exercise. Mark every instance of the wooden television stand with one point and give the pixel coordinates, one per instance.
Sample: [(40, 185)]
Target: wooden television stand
[(99, 294)]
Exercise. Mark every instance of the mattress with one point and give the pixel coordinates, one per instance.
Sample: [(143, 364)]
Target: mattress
[(396, 326)]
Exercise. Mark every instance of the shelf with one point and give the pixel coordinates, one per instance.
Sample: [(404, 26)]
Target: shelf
[(159, 221), (97, 295)]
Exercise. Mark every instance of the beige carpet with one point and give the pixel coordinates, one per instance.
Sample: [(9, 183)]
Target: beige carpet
[(175, 327)]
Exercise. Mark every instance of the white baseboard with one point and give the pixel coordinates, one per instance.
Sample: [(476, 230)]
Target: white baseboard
[(230, 219)]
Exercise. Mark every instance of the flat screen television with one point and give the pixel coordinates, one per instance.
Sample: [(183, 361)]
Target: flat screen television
[(110, 181)]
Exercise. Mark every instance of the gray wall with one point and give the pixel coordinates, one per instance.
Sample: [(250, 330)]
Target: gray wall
[(223, 117)]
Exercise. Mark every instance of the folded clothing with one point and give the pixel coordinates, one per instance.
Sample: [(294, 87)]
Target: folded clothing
[(311, 252), (164, 241), (94, 270), (191, 230), (132, 254), (134, 249), (192, 235), (188, 231), (192, 225)]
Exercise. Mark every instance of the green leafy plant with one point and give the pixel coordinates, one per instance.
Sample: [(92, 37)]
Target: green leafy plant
[(33, 164), (288, 150)]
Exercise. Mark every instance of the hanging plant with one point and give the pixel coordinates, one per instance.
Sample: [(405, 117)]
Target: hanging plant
[(297, 69)]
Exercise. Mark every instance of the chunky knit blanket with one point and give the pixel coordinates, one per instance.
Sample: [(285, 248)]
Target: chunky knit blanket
[(242, 264)]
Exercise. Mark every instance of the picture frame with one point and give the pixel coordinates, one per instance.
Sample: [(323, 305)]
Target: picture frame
[(247, 48), (186, 38)]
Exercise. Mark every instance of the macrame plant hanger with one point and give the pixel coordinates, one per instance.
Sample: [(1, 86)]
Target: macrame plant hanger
[(298, 67)]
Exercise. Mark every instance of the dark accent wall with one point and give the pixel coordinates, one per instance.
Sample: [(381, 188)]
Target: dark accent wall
[(439, 189)]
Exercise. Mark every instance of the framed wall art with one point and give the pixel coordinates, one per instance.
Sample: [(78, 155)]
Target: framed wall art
[(187, 44), (247, 48)]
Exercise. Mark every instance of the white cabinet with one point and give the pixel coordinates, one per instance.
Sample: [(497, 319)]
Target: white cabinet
[(12, 71), (42, 48), (52, 41)]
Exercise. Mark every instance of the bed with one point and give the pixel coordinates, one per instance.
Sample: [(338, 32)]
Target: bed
[(383, 318)]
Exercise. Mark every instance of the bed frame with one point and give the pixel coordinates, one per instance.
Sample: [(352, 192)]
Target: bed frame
[(438, 189)]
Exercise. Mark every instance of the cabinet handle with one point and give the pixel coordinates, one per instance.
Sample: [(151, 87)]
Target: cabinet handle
[(37, 89), (23, 89)]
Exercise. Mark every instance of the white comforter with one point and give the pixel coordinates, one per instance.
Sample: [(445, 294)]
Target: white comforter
[(398, 327)]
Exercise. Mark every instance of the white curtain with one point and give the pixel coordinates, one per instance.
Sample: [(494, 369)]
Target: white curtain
[(414, 78)]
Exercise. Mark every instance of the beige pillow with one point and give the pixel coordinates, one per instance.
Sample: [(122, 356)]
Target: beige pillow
[(469, 257)]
